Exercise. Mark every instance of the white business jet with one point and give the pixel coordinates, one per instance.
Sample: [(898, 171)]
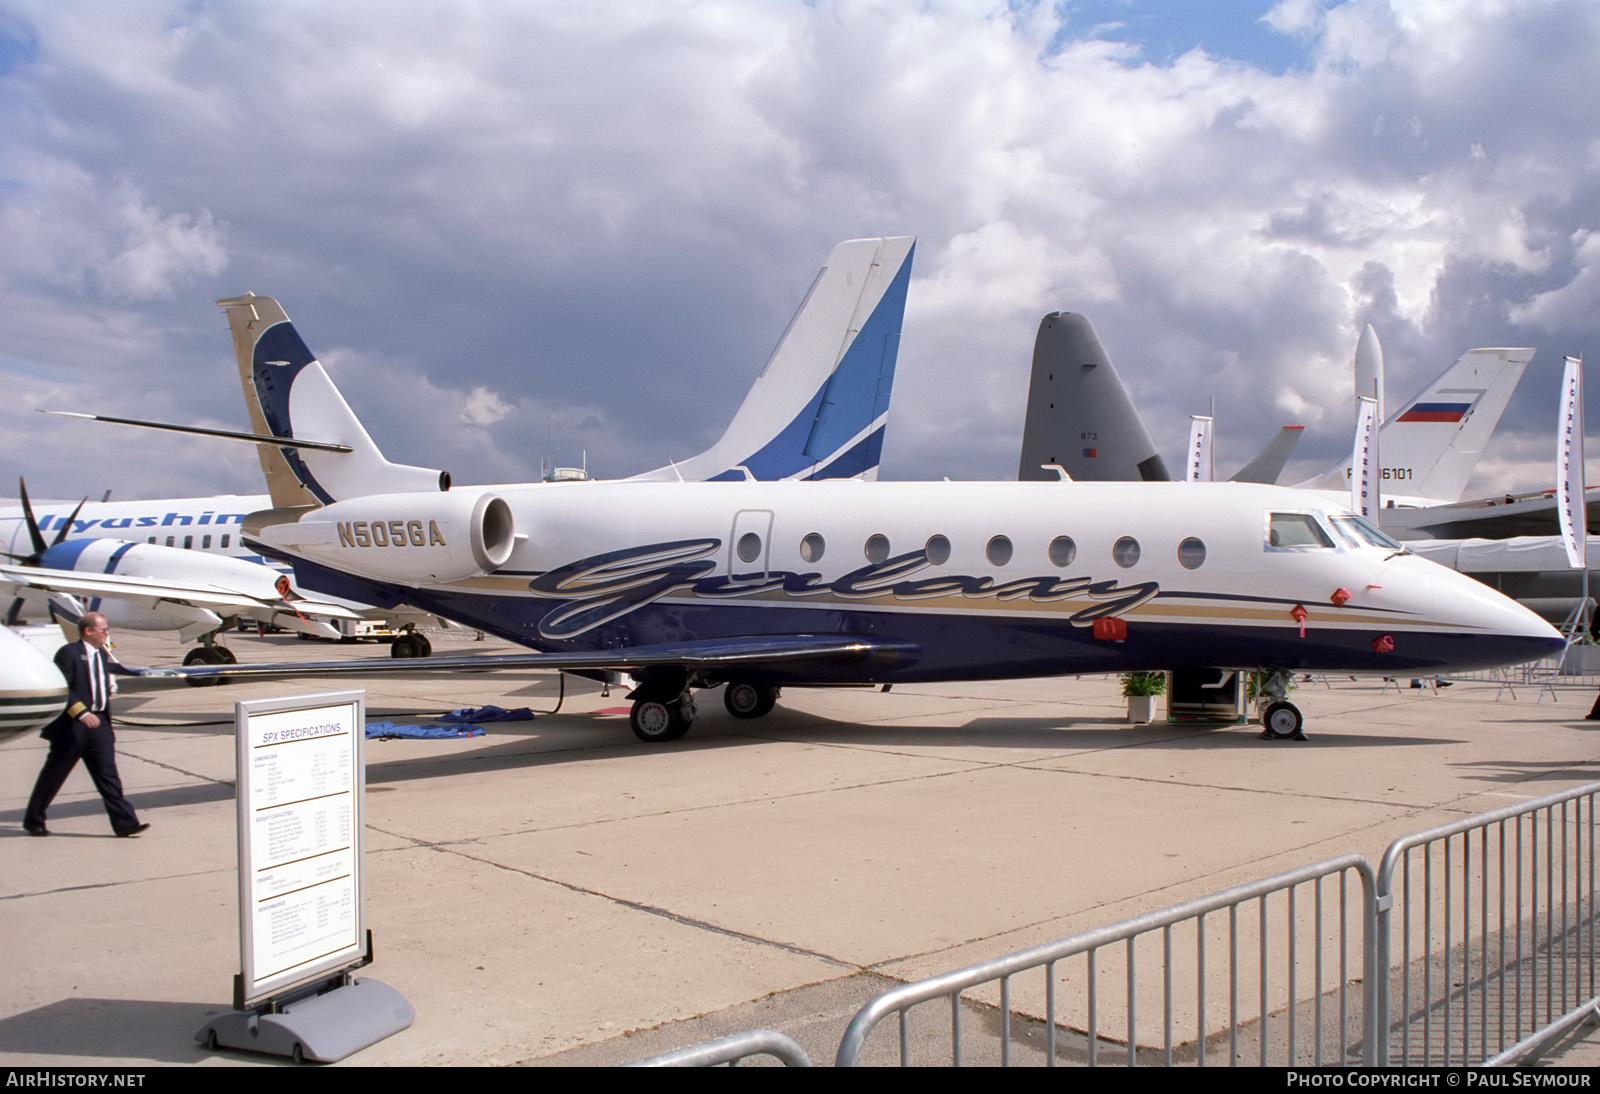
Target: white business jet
[(760, 585)]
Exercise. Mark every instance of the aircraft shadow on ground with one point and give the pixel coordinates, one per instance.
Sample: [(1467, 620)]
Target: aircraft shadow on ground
[(592, 736), (1063, 734)]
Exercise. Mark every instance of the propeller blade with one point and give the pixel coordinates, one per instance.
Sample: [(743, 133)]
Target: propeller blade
[(67, 527), (39, 545)]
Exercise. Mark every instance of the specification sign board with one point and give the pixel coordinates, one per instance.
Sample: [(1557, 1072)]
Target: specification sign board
[(301, 777)]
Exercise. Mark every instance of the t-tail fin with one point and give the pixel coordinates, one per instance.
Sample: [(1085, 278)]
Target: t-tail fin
[(820, 406), (288, 394), (1431, 447)]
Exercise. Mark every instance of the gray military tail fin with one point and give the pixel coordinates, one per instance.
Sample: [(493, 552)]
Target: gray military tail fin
[(1080, 415)]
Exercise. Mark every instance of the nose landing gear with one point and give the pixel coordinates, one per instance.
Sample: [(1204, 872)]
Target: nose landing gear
[(1280, 719)]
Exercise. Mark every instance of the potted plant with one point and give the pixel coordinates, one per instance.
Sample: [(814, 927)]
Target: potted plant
[(1141, 688)]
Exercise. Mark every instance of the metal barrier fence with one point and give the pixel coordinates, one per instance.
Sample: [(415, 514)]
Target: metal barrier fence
[(1564, 673), (1276, 999), (1496, 929), (1496, 924), (731, 1049)]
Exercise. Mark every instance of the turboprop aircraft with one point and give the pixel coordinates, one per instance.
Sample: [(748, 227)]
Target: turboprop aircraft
[(761, 585), (153, 587), (817, 410)]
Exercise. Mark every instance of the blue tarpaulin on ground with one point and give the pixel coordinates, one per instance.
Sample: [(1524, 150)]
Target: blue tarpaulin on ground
[(392, 729), (488, 714)]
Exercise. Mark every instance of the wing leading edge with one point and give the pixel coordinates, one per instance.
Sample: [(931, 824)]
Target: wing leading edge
[(769, 653)]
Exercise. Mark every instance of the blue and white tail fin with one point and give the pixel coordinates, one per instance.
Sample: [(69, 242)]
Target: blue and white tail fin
[(1430, 448), (820, 406), (288, 394)]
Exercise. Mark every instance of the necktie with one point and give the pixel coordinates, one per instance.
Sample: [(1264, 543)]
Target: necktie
[(97, 687)]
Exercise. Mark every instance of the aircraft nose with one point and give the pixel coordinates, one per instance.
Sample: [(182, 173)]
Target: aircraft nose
[(1496, 630)]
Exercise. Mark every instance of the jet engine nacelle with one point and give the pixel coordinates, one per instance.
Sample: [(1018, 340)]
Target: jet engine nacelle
[(416, 538)]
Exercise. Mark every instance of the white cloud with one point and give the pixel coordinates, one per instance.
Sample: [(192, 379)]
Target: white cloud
[(159, 252), (483, 407)]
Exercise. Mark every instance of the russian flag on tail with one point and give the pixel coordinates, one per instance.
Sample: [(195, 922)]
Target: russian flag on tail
[(1436, 412)]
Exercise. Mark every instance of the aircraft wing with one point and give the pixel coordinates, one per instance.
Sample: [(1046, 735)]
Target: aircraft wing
[(1489, 518), (151, 591), (766, 651)]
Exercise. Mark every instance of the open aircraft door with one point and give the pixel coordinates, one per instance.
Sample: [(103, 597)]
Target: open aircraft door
[(1214, 696)]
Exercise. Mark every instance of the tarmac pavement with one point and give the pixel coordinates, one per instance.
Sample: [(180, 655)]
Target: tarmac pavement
[(558, 892)]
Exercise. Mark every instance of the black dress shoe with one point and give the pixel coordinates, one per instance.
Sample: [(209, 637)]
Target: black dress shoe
[(124, 833), (36, 830)]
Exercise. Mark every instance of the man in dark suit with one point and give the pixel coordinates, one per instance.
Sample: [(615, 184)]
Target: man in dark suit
[(84, 731)]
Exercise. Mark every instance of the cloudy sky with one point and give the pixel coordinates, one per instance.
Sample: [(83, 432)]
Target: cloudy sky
[(511, 228)]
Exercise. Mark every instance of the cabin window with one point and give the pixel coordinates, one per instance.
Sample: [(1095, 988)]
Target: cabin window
[(1063, 551), (1286, 531), (171, 540), (749, 547), (811, 548), (1125, 552), (224, 544), (937, 550), (188, 542), (998, 552), (152, 539), (205, 543), (1191, 553), (877, 548)]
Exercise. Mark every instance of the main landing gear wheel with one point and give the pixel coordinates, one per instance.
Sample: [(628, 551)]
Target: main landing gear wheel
[(410, 645), (208, 655), (1282, 721), (656, 722), (748, 700)]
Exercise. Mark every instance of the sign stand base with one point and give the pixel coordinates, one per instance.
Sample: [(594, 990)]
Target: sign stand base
[(325, 1021)]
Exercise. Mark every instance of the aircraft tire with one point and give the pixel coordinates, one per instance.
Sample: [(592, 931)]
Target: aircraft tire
[(404, 646), (655, 722), (204, 655), (222, 655), (424, 647), (745, 700), (1282, 721)]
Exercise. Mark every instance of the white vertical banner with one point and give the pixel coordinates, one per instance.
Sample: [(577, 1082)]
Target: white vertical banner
[(1199, 449), (1569, 466), (1364, 460)]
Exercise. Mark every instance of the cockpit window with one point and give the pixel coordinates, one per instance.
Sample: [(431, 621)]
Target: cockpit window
[(1363, 533), (1285, 530)]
